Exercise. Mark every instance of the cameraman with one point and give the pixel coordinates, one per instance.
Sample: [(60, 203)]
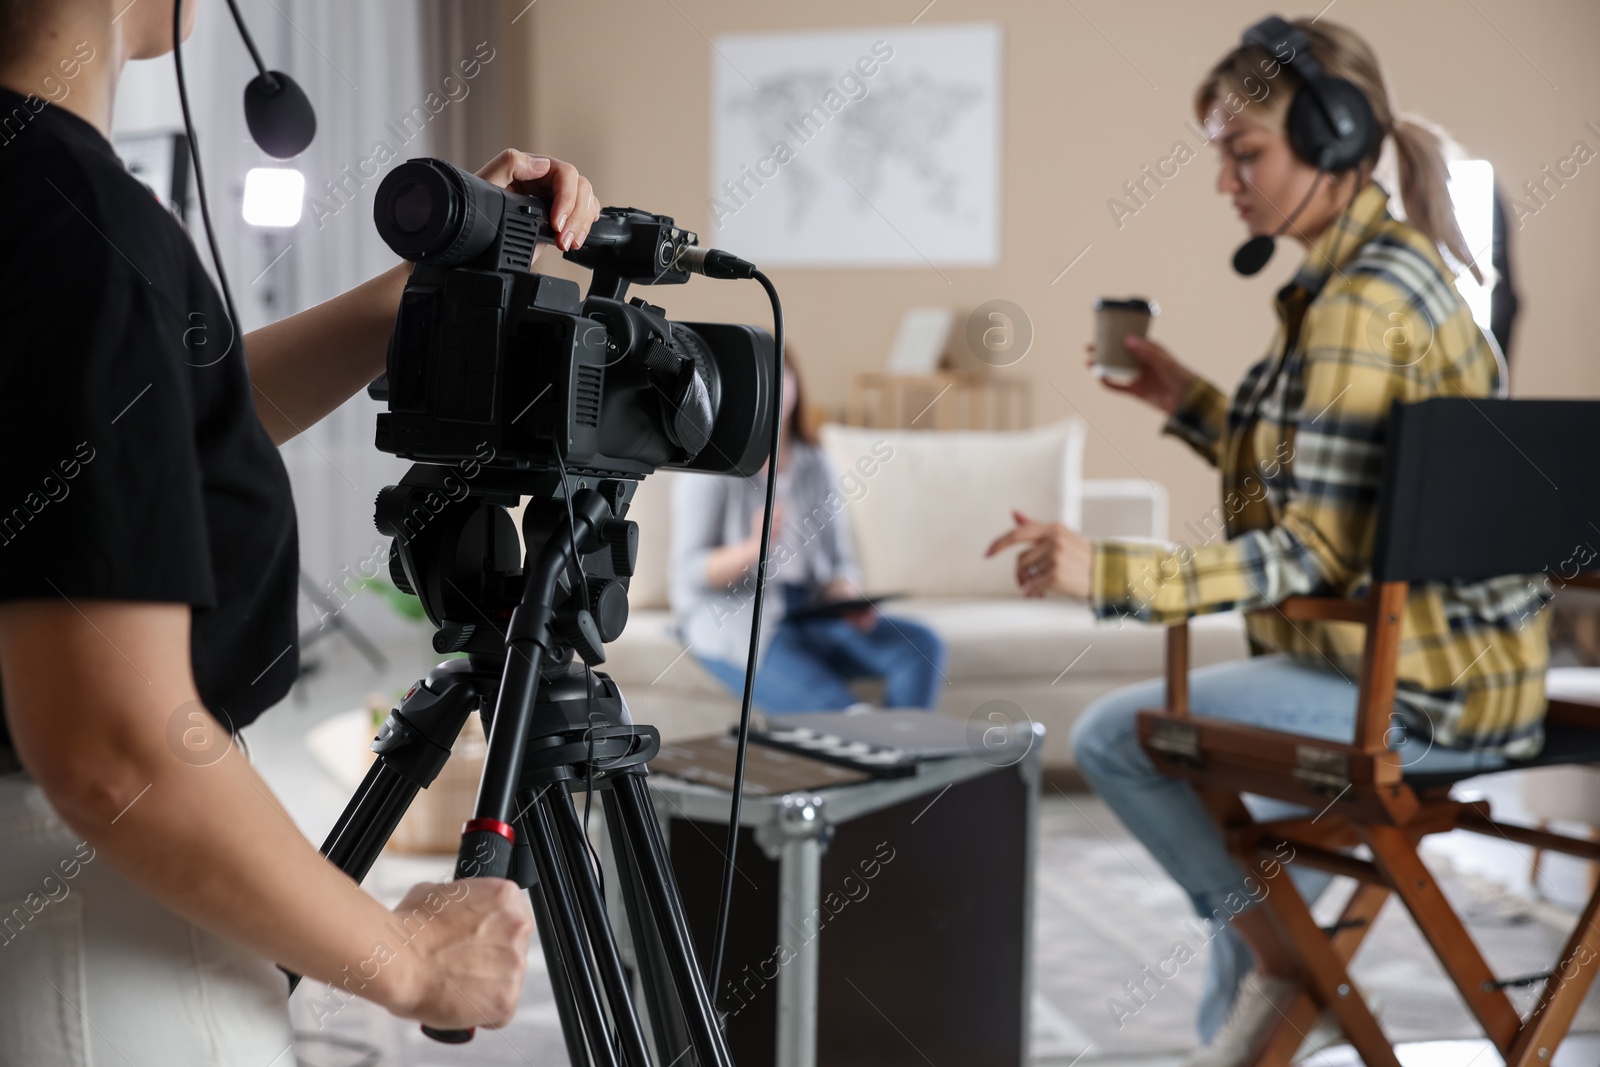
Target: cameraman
[(148, 566)]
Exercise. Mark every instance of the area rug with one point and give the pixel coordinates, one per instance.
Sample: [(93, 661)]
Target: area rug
[(1105, 911)]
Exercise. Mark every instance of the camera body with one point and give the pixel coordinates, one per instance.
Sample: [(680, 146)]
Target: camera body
[(488, 356)]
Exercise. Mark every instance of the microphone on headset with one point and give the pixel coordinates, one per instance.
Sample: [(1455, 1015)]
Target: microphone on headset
[(1251, 256), (276, 109)]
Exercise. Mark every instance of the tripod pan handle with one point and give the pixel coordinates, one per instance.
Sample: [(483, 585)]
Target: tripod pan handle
[(485, 849)]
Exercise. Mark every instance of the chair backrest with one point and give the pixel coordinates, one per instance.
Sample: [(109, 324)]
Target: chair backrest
[(1478, 488)]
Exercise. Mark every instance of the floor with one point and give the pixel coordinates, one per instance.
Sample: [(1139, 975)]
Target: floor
[(343, 680), (1577, 1051)]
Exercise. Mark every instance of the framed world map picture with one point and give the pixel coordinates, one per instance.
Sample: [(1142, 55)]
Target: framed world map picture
[(870, 147)]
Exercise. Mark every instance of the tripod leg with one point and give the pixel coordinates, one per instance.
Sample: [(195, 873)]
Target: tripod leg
[(661, 892), (666, 1014), (601, 939), (567, 927), (555, 966), (369, 820), (412, 747), (365, 825)]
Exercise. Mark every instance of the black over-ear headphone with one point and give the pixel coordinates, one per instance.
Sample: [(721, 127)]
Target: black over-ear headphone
[(281, 123), (1330, 122)]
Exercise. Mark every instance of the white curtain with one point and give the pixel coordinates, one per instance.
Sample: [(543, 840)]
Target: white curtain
[(360, 62), (457, 32)]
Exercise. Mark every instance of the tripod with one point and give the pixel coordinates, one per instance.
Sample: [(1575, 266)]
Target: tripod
[(552, 728)]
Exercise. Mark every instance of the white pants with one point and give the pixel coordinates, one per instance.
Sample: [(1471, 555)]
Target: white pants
[(94, 971)]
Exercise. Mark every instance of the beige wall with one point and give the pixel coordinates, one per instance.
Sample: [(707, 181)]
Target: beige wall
[(621, 88)]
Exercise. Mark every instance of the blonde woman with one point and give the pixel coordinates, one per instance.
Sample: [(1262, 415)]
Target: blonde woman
[(1372, 318)]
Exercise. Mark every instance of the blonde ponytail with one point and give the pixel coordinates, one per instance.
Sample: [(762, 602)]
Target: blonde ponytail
[(1425, 190)]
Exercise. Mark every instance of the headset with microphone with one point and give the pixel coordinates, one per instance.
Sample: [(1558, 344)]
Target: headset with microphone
[(1330, 124), (281, 121)]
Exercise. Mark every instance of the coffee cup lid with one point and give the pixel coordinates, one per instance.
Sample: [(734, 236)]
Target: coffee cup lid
[(1132, 303)]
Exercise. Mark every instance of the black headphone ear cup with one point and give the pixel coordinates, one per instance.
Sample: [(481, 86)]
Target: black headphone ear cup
[(1316, 140)]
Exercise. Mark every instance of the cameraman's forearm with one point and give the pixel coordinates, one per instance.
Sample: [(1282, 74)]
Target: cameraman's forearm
[(211, 844), (306, 365)]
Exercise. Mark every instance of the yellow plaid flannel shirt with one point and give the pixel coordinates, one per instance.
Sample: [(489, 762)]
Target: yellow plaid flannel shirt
[(1373, 317)]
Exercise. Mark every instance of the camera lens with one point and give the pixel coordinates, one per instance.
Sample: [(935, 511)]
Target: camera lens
[(412, 207)]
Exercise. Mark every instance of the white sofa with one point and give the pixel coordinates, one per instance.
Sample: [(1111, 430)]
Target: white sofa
[(920, 521)]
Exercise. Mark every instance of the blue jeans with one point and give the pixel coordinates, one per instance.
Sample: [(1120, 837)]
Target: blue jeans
[(810, 662), (1278, 691)]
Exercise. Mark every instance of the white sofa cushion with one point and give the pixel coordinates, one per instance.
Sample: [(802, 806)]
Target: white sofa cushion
[(922, 518), (927, 512)]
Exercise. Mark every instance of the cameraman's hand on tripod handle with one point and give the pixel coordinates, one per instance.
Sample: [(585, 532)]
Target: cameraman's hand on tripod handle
[(464, 964), (1162, 380), (572, 204)]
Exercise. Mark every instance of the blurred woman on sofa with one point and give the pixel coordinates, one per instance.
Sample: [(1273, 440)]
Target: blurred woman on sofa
[(1300, 450), (808, 657)]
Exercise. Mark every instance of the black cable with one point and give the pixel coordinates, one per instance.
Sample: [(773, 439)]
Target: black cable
[(1288, 219), (588, 698), (249, 42), (588, 671), (572, 526), (200, 182), (726, 898)]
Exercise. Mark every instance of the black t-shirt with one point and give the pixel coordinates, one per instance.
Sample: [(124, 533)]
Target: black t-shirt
[(132, 463)]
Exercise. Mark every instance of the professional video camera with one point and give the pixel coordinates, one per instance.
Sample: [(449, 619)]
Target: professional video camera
[(505, 386), (487, 352)]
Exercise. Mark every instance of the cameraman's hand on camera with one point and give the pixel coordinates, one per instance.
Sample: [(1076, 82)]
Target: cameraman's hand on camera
[(573, 206), (464, 963), (1162, 380), (1055, 557)]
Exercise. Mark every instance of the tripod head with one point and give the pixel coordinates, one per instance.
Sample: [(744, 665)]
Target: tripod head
[(456, 549)]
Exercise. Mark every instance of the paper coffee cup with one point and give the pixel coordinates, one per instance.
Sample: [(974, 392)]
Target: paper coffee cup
[(1115, 320)]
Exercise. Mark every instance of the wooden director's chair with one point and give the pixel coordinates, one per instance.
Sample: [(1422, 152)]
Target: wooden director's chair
[(1471, 489)]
